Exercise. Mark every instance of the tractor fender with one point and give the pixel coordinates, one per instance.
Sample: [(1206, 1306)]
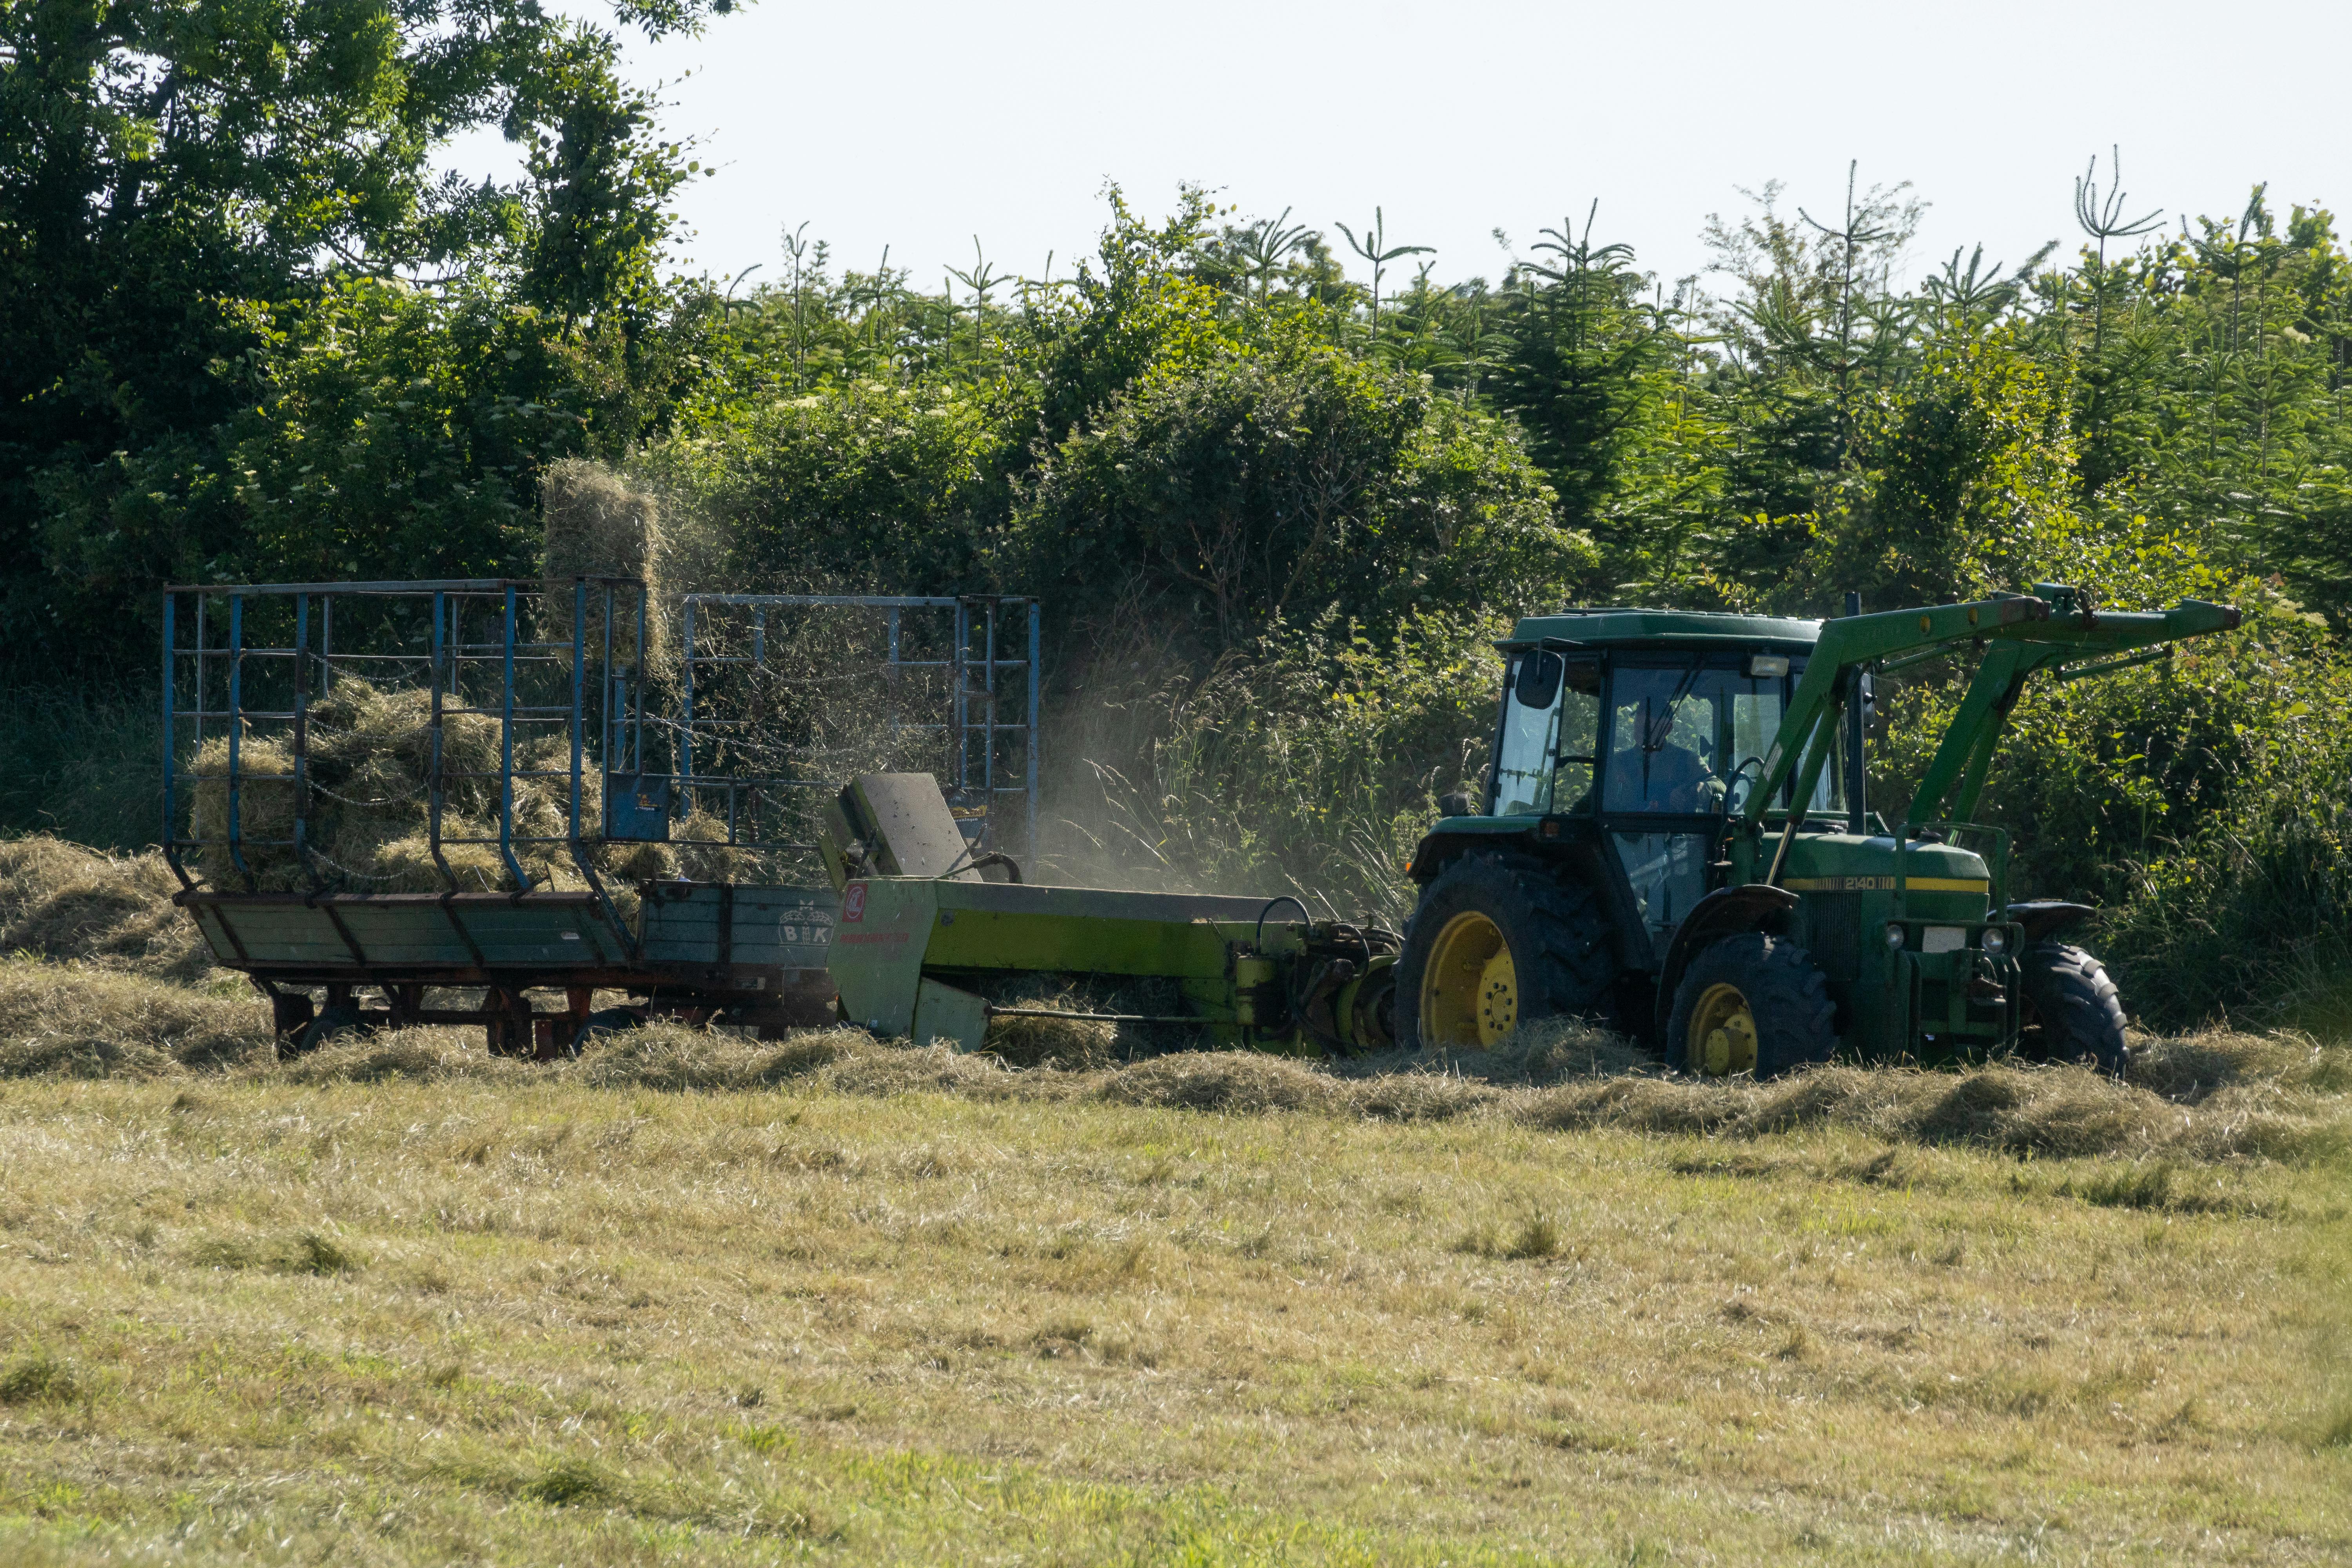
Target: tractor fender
[(1726, 911), (1440, 845), (2046, 917)]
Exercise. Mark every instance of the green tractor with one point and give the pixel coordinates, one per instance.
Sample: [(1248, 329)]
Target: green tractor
[(1673, 840)]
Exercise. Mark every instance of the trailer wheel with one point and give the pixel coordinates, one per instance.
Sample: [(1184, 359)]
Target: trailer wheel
[(1752, 1003), (607, 1021), (326, 1026), (2072, 1011), (1498, 941)]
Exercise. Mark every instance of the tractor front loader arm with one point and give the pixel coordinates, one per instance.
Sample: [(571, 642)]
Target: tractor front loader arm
[(1809, 729), (2075, 633), (2050, 630)]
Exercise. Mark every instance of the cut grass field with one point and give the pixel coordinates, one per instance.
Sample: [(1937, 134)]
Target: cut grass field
[(693, 1299)]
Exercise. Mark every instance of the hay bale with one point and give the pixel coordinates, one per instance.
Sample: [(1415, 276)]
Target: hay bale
[(630, 863), (265, 768), (405, 866), (370, 772), (594, 523), (702, 853)]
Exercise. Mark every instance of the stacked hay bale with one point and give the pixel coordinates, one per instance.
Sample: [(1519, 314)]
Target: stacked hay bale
[(370, 761), (369, 779)]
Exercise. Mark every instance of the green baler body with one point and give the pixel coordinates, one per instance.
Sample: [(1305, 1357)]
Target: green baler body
[(911, 956)]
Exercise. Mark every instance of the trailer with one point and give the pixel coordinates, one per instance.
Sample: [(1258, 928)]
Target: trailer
[(548, 734)]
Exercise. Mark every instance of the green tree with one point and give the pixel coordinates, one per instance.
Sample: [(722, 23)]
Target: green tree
[(1973, 477), (176, 180), (1286, 482)]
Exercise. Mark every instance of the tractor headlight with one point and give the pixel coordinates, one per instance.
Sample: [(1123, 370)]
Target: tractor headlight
[(1894, 936), (1995, 940)]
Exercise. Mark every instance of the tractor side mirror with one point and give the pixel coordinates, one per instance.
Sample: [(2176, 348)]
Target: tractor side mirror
[(1538, 682)]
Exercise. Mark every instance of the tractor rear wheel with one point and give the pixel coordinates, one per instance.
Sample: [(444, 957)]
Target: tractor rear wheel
[(1499, 940), (2072, 1011), (1752, 1004)]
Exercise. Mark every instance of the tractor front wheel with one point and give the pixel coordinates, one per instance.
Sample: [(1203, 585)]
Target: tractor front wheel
[(1498, 940), (2072, 1011), (1752, 1003)]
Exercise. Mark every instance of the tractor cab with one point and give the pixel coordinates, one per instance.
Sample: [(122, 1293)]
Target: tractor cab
[(1673, 838), (1649, 748)]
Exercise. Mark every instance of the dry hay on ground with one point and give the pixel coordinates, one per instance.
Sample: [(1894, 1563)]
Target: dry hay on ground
[(62, 901), (73, 1020), (2216, 1096)]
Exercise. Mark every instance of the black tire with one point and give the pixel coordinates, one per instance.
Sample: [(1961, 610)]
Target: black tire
[(333, 1021), (1793, 1022), (607, 1021), (1558, 937), (2072, 1011)]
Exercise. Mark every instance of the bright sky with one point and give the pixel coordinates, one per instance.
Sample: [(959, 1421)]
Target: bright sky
[(917, 125)]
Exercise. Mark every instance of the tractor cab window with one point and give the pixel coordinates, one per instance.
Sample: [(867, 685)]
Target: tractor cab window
[(1685, 739), (1551, 720)]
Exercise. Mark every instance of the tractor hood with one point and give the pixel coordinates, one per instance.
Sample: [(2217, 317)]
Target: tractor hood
[(1940, 881)]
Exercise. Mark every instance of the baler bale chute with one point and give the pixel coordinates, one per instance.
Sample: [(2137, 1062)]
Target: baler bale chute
[(928, 931)]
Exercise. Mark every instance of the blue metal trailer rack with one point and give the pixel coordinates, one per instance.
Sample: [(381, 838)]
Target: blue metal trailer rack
[(710, 747)]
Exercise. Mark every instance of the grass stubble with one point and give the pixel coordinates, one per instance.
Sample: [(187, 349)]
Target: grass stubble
[(700, 1299)]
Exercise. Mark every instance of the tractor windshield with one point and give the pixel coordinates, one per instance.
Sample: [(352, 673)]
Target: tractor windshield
[(1686, 740), (1683, 737)]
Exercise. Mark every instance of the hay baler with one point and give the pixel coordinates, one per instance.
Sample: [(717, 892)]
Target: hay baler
[(1674, 839), (933, 939)]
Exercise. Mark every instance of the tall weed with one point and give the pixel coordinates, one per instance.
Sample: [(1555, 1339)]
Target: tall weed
[(83, 763)]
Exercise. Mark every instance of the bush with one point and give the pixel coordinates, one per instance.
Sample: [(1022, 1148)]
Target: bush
[(1216, 499)]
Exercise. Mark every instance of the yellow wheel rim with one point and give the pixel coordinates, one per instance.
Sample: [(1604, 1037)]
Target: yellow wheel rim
[(1722, 1038), (1470, 993)]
